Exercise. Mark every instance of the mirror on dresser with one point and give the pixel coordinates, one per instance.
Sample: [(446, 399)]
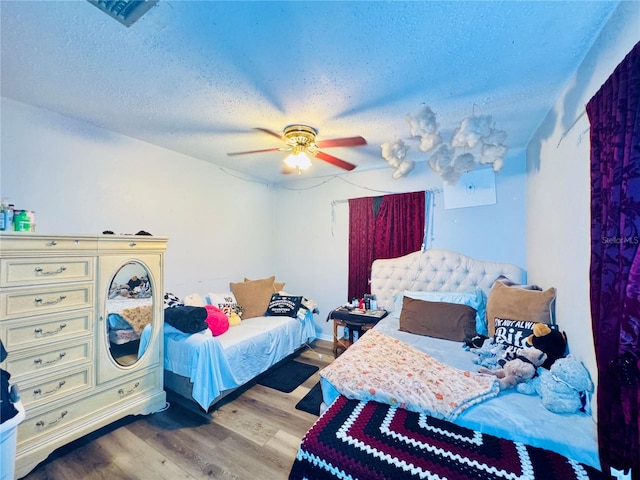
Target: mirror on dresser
[(129, 309), (130, 303)]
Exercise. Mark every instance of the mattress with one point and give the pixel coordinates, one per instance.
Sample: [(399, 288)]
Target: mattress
[(510, 415)]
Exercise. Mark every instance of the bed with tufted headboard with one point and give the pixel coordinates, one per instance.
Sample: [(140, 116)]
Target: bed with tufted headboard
[(436, 270), (436, 278)]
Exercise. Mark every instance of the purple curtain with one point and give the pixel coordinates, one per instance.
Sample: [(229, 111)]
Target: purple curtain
[(614, 114), (382, 227)]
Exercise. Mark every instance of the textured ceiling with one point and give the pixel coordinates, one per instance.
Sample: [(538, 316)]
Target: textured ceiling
[(197, 77)]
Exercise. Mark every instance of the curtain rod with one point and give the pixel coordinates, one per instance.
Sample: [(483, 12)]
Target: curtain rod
[(564, 134), (432, 190)]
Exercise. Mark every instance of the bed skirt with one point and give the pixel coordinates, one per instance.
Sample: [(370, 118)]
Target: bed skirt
[(374, 441)]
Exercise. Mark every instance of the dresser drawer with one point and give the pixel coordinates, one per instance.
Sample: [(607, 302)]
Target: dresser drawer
[(73, 414), (133, 243), (54, 387), (19, 244), (44, 360), (18, 272), (39, 331), (129, 388), (20, 303)]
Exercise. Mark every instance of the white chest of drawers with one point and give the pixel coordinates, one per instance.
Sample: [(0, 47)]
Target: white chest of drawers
[(53, 323)]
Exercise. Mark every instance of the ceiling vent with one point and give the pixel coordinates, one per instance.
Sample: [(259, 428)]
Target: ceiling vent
[(125, 11)]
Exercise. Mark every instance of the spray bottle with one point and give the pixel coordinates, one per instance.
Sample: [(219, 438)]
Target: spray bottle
[(9, 216), (3, 215)]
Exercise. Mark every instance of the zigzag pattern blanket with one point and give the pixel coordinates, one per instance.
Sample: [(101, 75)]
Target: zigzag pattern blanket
[(374, 441)]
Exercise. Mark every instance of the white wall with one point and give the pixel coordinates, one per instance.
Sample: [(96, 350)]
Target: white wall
[(558, 187), (312, 238), (80, 179)]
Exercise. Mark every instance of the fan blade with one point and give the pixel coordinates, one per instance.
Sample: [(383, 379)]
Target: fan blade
[(269, 132), (341, 142), (231, 154), (335, 161)]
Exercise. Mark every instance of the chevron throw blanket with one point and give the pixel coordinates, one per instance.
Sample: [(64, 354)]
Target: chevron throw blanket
[(374, 441)]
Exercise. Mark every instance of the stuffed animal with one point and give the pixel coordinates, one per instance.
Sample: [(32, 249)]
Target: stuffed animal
[(234, 319), (488, 353), (518, 370), (564, 388), (550, 341)]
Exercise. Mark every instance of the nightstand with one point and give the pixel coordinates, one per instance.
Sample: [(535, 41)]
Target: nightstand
[(354, 321)]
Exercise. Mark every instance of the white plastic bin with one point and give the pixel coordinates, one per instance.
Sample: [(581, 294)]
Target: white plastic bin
[(8, 439)]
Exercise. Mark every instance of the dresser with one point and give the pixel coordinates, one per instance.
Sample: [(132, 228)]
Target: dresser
[(54, 295)]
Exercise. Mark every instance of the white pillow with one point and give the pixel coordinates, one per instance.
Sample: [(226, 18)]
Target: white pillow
[(224, 301), (193, 300)]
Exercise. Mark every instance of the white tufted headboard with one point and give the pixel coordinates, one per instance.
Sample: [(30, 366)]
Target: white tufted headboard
[(435, 270)]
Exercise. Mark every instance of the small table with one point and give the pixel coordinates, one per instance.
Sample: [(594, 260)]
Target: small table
[(354, 320)]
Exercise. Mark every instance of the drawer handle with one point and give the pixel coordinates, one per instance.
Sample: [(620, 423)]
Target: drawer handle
[(52, 243), (39, 391), (132, 244), (39, 362), (41, 424), (38, 331), (40, 302), (40, 271), (122, 393)]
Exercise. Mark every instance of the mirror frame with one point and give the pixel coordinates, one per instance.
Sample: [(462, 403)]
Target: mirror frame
[(132, 280)]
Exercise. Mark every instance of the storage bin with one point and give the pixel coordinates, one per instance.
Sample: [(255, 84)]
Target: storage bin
[(8, 439)]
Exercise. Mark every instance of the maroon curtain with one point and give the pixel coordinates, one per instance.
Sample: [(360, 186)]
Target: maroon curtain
[(382, 227), (615, 262), (399, 225), (361, 228)]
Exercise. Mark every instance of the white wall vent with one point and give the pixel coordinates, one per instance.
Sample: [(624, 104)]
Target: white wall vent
[(125, 11)]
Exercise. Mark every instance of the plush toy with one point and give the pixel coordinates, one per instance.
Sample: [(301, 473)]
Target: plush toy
[(550, 341), (518, 370), (564, 388), (488, 353), (234, 319)]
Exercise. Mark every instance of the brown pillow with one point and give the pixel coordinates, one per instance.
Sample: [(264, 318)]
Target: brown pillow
[(279, 286), (516, 303), (450, 321), (253, 296)]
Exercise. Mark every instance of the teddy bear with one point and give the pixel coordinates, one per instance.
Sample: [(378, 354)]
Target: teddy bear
[(550, 341), (564, 388), (518, 370)]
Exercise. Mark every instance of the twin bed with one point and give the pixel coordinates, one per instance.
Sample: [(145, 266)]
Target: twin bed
[(205, 369), (200, 369), (374, 427)]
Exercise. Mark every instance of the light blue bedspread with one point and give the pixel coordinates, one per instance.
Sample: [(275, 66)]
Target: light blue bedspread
[(512, 415), (216, 364)]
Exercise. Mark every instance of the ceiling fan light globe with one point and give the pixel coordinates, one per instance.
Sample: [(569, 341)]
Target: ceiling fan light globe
[(299, 161)]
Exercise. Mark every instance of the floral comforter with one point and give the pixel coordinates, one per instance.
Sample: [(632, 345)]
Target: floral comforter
[(385, 369)]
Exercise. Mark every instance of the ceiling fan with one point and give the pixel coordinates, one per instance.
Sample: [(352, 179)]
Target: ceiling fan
[(300, 140)]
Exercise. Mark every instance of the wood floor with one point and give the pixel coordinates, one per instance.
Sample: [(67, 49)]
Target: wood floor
[(253, 435)]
